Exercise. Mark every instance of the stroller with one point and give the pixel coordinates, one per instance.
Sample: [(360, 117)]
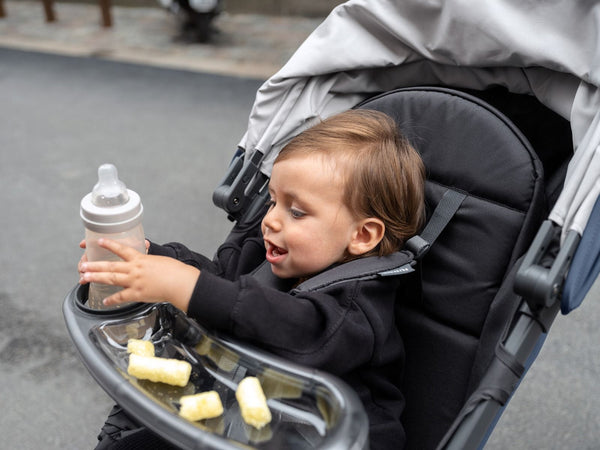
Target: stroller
[(496, 119)]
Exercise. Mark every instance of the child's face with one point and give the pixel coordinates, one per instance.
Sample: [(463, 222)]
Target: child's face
[(308, 227)]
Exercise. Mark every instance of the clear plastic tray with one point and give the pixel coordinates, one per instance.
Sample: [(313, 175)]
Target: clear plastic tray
[(309, 409)]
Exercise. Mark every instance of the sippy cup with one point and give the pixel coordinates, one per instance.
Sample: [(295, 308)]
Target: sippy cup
[(110, 211)]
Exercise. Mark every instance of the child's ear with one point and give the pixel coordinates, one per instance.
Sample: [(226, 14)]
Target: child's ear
[(369, 232)]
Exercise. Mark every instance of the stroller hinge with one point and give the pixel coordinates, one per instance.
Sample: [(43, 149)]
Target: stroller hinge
[(240, 185), (541, 277)]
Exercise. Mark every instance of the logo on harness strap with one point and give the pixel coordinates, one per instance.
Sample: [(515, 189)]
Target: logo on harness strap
[(406, 268)]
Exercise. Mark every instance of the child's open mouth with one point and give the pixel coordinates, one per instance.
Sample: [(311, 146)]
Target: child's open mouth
[(275, 254)]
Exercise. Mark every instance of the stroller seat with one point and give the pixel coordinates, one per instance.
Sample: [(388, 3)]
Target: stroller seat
[(454, 311), (452, 330)]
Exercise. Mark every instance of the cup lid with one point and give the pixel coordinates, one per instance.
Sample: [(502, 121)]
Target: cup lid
[(110, 207)]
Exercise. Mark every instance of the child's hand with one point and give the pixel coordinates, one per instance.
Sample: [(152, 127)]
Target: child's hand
[(83, 259), (83, 245), (144, 278)]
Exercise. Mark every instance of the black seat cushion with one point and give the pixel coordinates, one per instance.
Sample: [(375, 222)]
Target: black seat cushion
[(470, 146)]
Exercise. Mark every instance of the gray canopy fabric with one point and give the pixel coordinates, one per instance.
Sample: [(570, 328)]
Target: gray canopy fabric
[(546, 48)]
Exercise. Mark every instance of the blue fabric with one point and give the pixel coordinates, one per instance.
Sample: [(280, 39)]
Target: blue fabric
[(586, 264)]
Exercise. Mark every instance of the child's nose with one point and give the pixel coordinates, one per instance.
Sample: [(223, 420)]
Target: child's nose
[(271, 220)]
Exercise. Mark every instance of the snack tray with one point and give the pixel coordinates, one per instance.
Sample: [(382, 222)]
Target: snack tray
[(309, 408)]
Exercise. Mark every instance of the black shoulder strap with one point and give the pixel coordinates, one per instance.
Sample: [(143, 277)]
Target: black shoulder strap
[(398, 263), (420, 244)]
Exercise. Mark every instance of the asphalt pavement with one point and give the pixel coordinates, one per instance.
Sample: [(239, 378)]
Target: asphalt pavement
[(169, 115)]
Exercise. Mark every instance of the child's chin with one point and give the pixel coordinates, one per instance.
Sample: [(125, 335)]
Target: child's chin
[(282, 273), (278, 272)]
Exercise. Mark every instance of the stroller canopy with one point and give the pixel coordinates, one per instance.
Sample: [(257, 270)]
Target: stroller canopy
[(546, 49)]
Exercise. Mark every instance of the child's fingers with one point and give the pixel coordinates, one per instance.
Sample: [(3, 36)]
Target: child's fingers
[(123, 251), (111, 301), (104, 266), (112, 278), (82, 260), (82, 244), (116, 299)]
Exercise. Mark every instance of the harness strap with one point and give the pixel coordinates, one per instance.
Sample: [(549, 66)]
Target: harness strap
[(398, 263), (420, 244)]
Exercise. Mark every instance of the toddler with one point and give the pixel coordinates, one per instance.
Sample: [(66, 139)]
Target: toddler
[(350, 187)]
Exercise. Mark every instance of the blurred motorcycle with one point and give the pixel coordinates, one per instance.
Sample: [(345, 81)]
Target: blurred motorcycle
[(196, 16)]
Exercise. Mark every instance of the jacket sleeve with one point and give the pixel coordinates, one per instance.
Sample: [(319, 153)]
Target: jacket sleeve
[(182, 253), (331, 329), (241, 252)]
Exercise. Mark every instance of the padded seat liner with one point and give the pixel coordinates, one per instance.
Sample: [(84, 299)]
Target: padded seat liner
[(465, 145), (469, 146), (461, 275), (444, 354)]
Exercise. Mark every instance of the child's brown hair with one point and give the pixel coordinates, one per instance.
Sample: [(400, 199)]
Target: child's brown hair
[(384, 174)]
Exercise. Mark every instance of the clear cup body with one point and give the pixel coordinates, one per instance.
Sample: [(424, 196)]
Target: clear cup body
[(134, 237)]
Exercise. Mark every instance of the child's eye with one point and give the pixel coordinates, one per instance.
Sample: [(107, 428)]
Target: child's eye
[(270, 204), (296, 213)]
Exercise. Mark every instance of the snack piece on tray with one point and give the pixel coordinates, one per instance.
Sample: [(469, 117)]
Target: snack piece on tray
[(204, 405), (140, 347), (253, 403), (164, 370)]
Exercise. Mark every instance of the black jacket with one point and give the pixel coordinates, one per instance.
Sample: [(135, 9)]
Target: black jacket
[(346, 328)]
